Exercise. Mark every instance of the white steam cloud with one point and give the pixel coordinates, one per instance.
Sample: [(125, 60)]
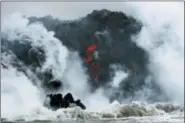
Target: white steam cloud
[(162, 36), (65, 66), (18, 95), (119, 76)]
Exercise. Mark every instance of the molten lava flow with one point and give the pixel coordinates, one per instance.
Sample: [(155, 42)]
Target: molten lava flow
[(94, 68)]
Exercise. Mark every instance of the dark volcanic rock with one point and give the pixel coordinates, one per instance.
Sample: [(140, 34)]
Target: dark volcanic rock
[(111, 31)]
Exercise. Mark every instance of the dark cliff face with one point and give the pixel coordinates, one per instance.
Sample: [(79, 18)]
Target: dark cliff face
[(112, 32)]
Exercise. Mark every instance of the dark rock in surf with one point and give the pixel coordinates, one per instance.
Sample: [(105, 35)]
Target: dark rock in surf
[(57, 101)]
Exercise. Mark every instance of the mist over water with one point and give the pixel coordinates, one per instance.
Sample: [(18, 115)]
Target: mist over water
[(24, 85)]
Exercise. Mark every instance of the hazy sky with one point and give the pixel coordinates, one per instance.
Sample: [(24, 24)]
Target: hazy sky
[(71, 10), (63, 10)]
